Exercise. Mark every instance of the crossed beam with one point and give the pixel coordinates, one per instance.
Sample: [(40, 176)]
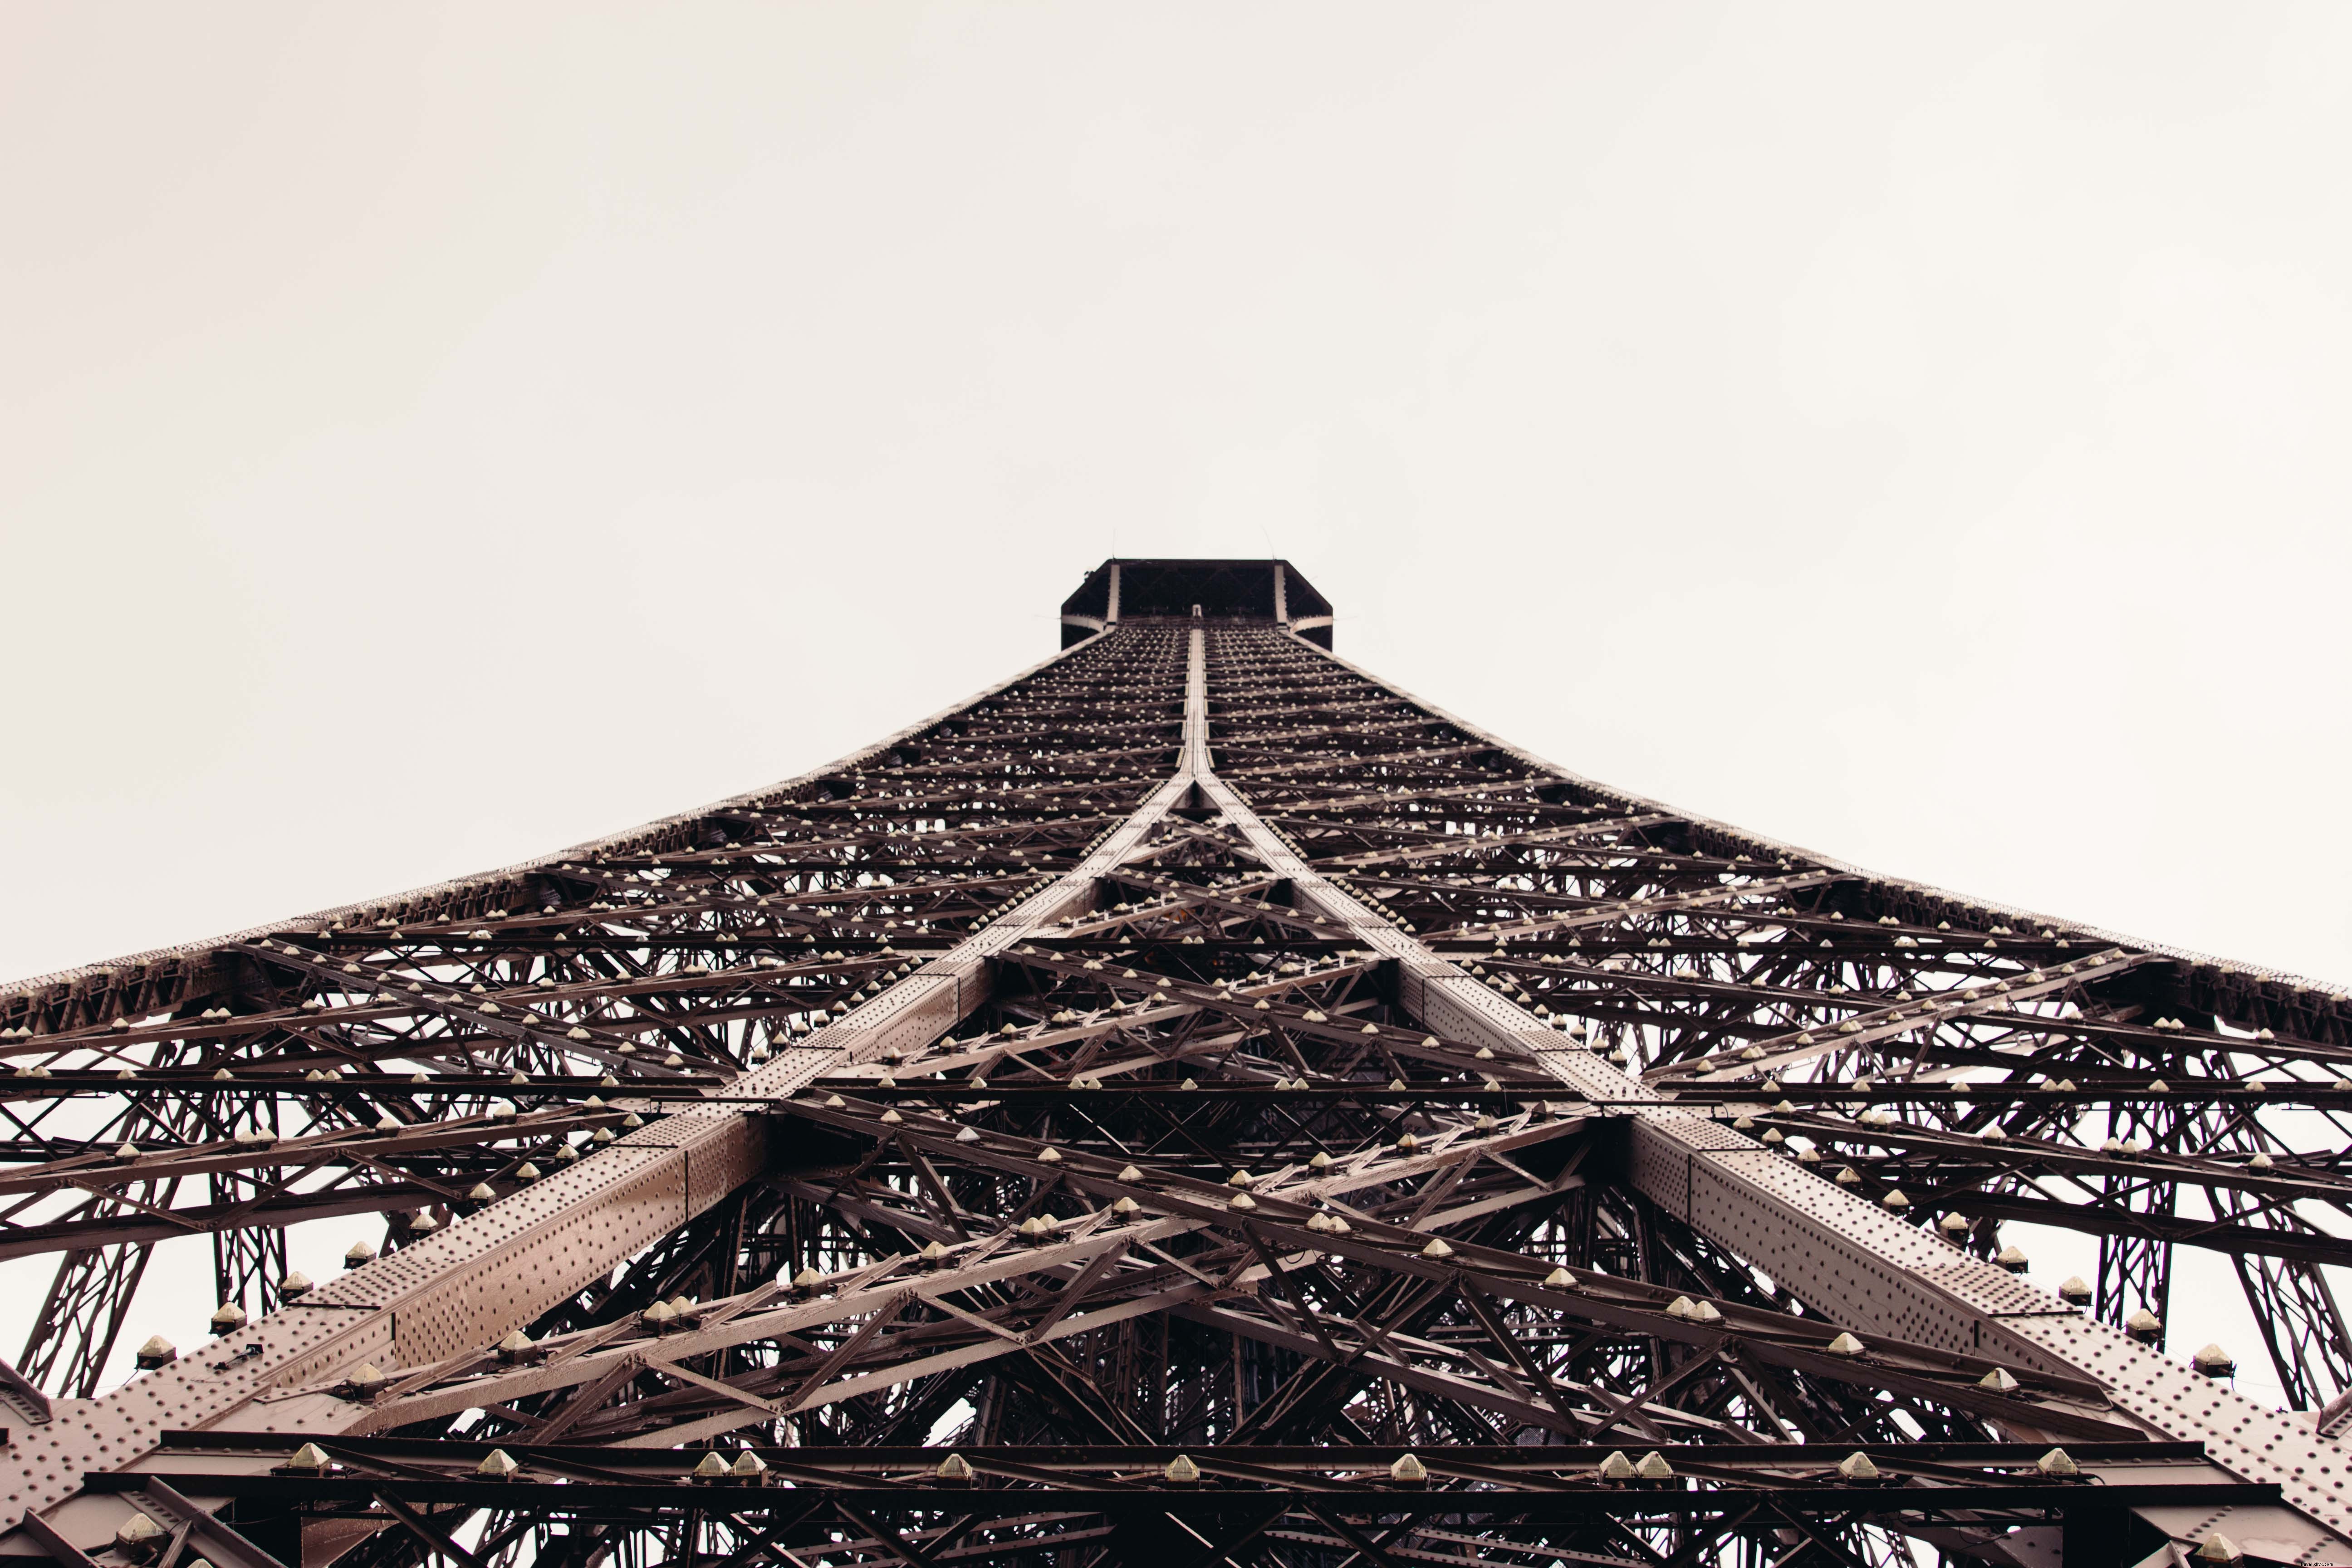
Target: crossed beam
[(1112, 1269)]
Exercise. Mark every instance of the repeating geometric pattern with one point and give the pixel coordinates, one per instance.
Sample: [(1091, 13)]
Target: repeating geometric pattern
[(1191, 1103)]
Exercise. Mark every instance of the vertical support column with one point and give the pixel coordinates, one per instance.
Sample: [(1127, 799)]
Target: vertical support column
[(1196, 707)]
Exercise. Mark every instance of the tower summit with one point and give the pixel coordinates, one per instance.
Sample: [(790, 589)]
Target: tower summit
[(1266, 592), (1191, 1103)]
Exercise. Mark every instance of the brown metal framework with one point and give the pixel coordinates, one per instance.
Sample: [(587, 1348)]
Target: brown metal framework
[(1191, 1103)]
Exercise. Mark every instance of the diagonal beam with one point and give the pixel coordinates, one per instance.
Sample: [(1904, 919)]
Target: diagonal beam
[(1824, 1244), (456, 1291)]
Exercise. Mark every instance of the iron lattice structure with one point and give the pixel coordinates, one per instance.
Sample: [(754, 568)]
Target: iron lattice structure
[(1191, 1103)]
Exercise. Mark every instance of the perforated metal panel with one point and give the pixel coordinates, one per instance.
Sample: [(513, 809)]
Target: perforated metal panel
[(47, 1462), (540, 1261), (916, 1011), (1993, 1292), (2264, 1445)]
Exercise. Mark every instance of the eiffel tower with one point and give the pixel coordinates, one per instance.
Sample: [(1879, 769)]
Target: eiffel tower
[(1193, 1103)]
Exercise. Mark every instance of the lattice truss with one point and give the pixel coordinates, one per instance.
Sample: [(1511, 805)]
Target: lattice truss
[(1083, 1122)]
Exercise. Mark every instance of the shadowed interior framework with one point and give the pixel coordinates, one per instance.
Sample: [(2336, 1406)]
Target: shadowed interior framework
[(1191, 1103)]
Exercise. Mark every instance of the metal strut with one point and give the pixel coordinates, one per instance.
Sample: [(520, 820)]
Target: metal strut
[(1199, 1062)]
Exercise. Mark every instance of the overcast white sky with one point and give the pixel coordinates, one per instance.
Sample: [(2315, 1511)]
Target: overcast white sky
[(433, 435)]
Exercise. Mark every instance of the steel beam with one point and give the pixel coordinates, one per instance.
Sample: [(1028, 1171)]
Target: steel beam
[(466, 1285), (1827, 1246), (1346, 913)]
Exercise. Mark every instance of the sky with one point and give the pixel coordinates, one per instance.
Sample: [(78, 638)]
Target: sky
[(430, 435)]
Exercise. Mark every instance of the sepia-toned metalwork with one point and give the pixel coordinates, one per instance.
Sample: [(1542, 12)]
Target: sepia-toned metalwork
[(1191, 1103)]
